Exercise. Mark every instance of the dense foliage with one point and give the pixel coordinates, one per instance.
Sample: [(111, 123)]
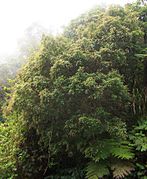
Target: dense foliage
[(78, 108)]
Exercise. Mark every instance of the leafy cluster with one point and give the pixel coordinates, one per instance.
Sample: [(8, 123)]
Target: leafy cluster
[(78, 107)]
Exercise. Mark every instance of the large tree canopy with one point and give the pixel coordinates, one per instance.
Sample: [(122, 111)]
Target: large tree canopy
[(74, 104)]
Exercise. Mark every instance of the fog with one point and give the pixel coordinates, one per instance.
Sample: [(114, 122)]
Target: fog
[(16, 16)]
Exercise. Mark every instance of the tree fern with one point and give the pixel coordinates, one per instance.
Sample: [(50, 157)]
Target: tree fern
[(107, 148), (119, 168), (102, 153), (98, 151)]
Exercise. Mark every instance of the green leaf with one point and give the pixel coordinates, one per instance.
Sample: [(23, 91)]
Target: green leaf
[(122, 152), (96, 170)]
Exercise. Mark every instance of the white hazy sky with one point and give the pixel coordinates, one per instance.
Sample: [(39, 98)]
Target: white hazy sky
[(17, 15)]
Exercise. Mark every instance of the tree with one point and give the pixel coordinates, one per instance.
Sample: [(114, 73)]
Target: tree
[(77, 98)]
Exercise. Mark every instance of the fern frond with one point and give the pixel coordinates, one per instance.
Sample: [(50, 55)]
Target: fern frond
[(97, 152), (122, 152), (121, 169), (106, 148), (96, 170)]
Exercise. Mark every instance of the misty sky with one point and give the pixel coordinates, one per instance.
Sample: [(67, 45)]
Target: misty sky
[(17, 15)]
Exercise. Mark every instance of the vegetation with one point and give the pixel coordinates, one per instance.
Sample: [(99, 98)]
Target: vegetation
[(27, 45), (78, 108)]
